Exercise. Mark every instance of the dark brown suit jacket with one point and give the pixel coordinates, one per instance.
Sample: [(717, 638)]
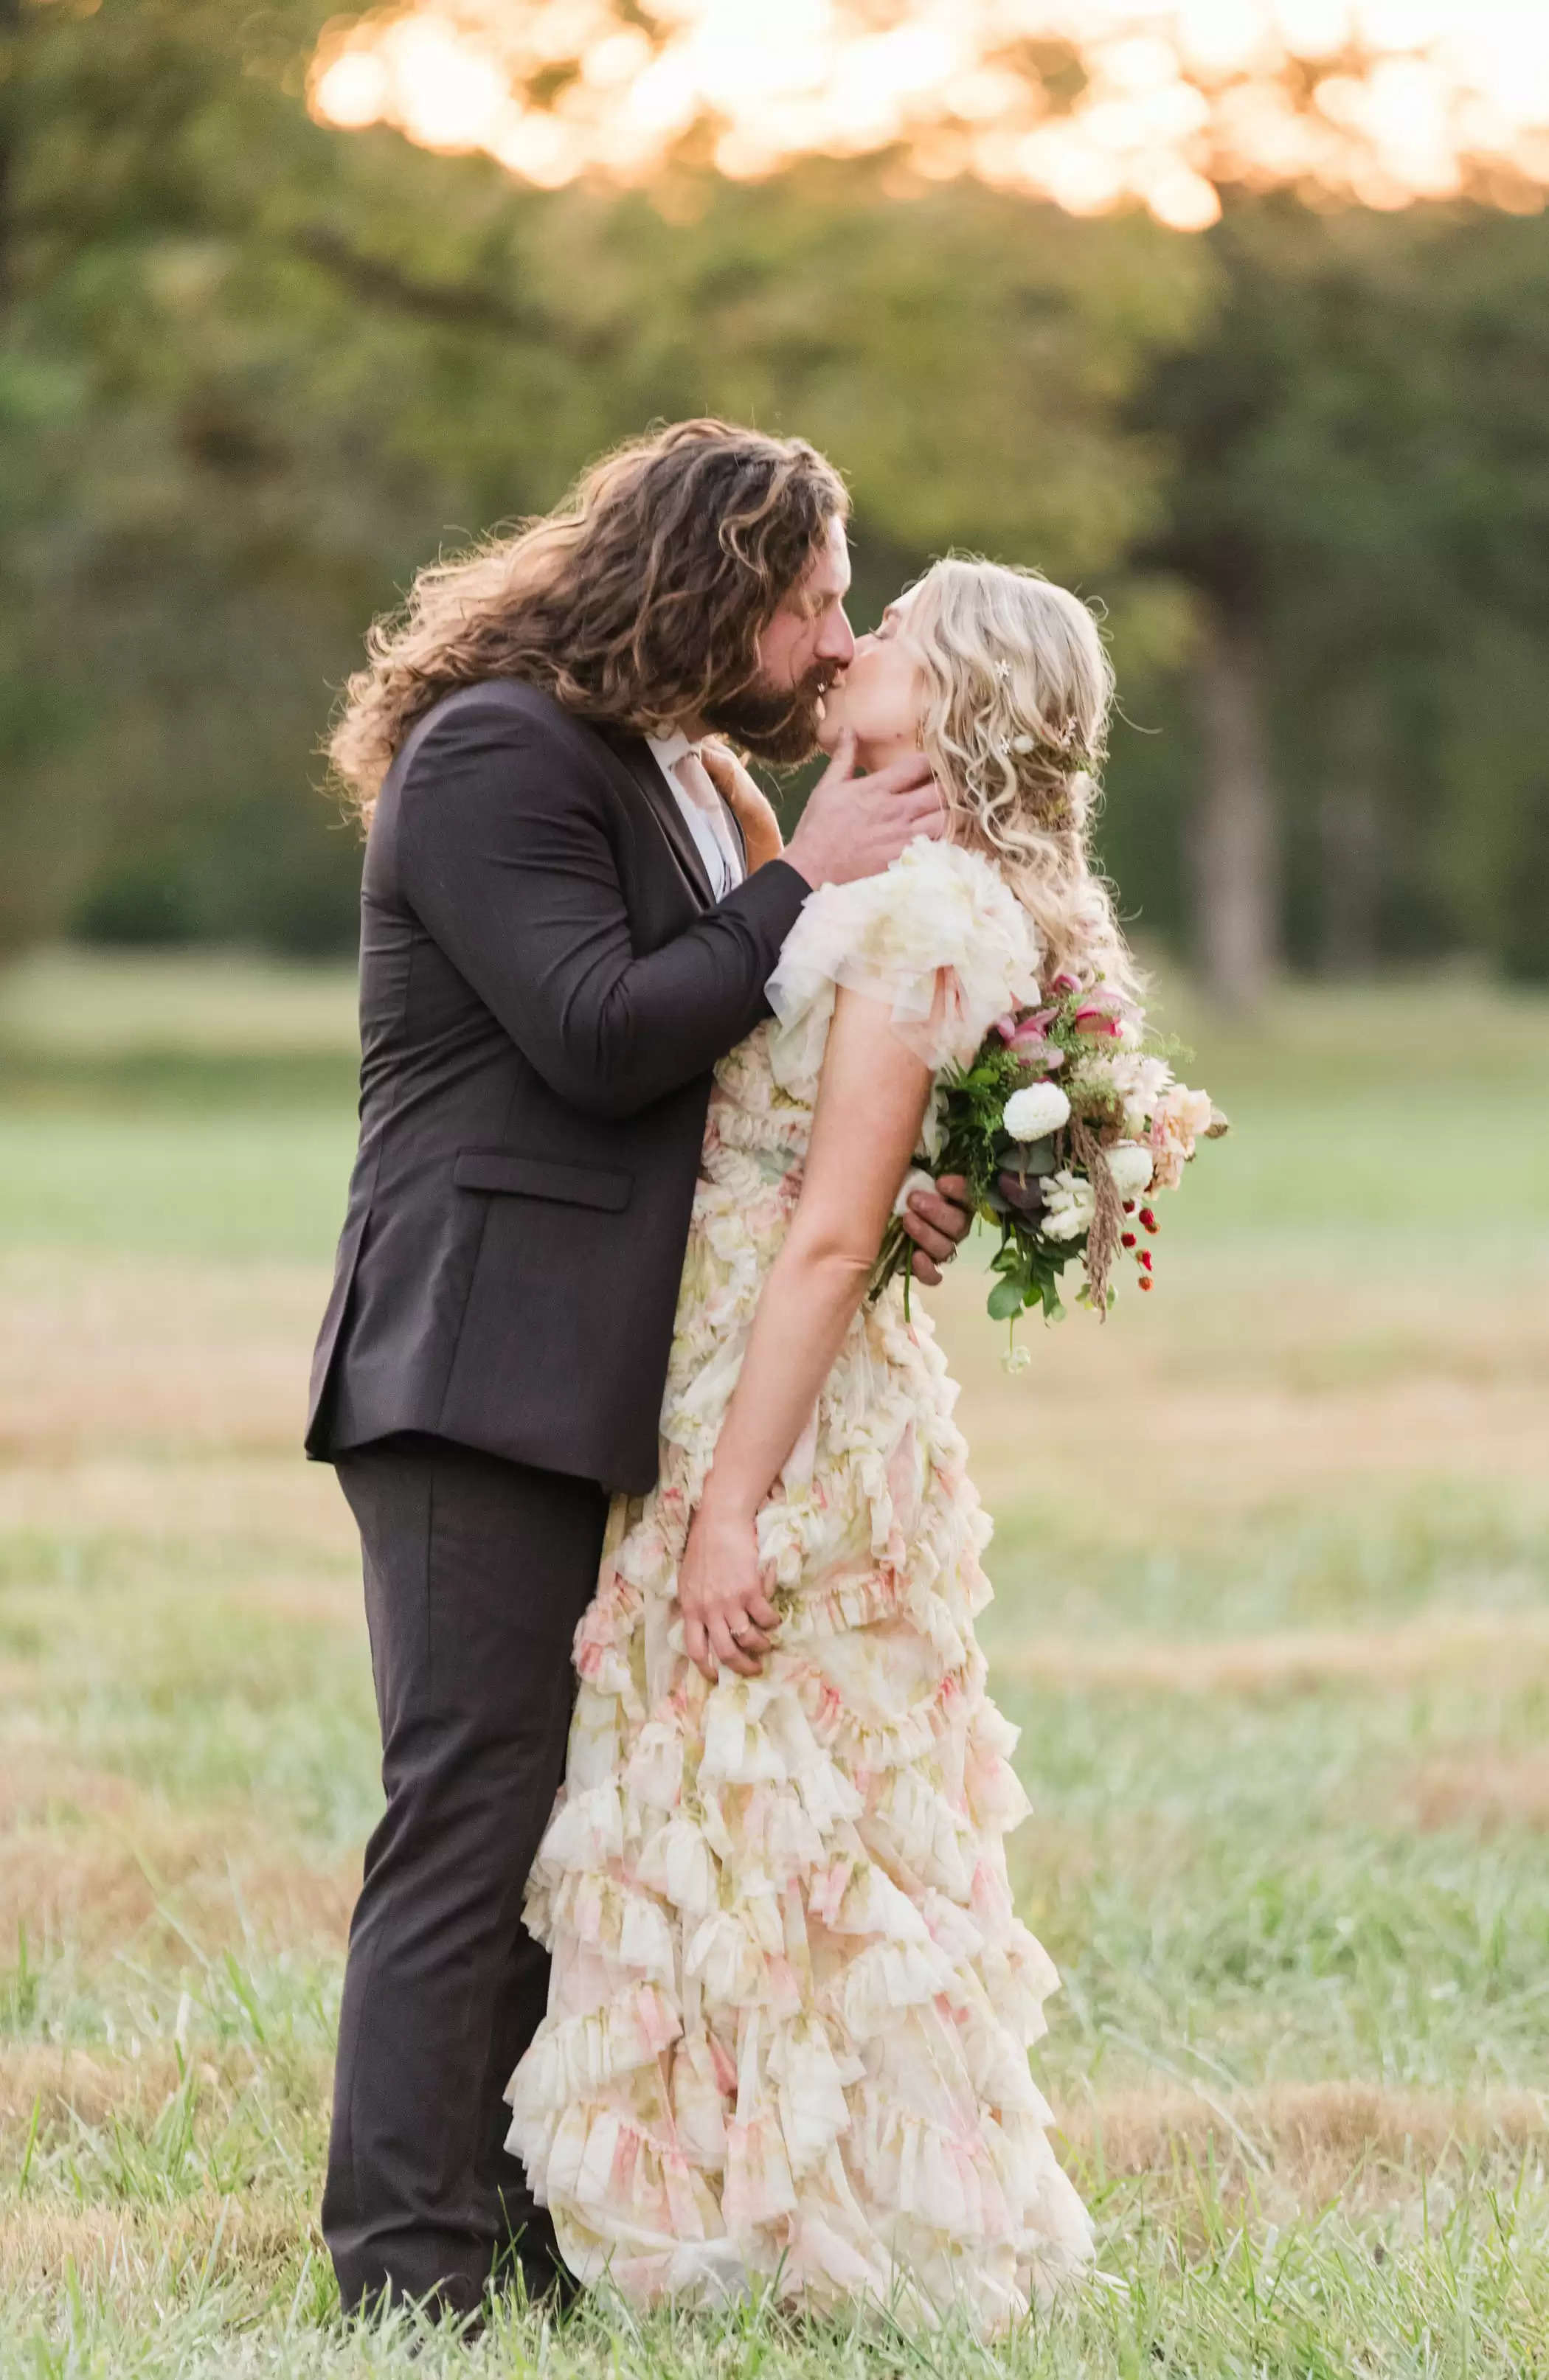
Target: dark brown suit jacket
[(545, 988)]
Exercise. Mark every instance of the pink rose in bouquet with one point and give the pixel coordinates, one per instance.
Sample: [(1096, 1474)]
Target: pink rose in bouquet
[(1181, 1119), (1120, 1129)]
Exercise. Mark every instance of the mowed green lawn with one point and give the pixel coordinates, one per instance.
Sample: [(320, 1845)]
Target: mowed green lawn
[(1272, 1613)]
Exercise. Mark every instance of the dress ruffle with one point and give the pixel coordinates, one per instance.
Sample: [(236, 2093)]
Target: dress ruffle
[(939, 938), (791, 2002)]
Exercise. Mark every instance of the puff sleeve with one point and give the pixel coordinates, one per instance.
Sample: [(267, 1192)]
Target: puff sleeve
[(939, 938)]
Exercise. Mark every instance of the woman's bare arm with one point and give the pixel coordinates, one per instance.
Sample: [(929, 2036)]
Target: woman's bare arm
[(870, 1105), (935, 1220)]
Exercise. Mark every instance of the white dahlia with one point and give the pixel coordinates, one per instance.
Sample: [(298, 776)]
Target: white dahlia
[(1130, 1166), (1035, 1112)]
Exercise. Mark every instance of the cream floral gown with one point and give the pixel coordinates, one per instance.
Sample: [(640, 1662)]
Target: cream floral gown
[(791, 2005)]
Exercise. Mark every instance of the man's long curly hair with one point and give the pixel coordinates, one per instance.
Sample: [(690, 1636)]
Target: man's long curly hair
[(639, 600)]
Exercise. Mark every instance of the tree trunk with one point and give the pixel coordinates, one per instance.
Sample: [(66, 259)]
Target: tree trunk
[(1350, 836), (1237, 861)]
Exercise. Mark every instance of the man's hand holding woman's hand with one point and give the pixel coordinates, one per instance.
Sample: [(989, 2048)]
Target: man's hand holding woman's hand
[(937, 1221)]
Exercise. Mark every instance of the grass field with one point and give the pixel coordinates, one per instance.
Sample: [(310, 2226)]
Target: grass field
[(1272, 1611)]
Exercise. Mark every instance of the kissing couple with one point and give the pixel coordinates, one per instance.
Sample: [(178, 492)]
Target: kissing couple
[(685, 1952)]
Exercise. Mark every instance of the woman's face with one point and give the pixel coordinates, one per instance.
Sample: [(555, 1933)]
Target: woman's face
[(881, 695)]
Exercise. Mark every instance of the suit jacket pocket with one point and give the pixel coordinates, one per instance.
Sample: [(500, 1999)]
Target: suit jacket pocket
[(540, 1177)]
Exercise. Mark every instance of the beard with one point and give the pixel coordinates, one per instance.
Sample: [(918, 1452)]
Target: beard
[(776, 723)]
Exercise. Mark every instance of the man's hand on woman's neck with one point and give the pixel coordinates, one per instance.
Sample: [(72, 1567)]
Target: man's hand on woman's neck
[(856, 825)]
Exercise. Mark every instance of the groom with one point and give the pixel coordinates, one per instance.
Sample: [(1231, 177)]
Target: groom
[(559, 938)]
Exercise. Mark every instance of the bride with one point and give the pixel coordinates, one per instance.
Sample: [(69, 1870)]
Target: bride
[(791, 2003)]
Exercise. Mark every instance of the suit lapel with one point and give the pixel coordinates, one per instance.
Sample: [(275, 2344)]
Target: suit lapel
[(630, 755), (634, 754)]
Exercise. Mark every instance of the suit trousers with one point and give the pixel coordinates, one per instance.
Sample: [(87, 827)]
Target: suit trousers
[(477, 1570)]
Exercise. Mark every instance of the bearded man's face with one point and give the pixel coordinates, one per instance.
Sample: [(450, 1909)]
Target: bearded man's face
[(802, 649), (776, 723)]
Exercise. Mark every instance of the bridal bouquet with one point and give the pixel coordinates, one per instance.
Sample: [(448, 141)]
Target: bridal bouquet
[(1067, 1095)]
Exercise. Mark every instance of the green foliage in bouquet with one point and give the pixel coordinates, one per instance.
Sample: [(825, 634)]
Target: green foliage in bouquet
[(975, 1142), (1068, 1095)]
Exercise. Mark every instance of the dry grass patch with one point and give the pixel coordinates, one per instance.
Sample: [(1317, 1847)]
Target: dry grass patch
[(101, 1353), (1484, 1791), (90, 1859), (225, 2237), (46, 2085), (1223, 1394), (247, 1498), (45, 2089), (1510, 1646), (1315, 2141), (39, 1786), (1224, 1398)]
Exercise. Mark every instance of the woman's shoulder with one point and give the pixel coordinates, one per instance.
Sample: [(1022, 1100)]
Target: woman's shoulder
[(939, 911), (937, 905), (945, 893)]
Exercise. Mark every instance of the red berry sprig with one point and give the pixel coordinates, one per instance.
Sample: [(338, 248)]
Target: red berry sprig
[(1126, 1239), (1142, 1255)]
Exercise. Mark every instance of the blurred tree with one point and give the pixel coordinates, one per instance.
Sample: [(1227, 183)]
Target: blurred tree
[(216, 397), (1362, 486), (252, 371)]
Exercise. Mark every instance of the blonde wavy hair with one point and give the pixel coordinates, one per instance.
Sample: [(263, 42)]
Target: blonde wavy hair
[(1019, 688), (639, 600)]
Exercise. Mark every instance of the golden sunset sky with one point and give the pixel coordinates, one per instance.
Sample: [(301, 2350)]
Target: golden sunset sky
[(1381, 101)]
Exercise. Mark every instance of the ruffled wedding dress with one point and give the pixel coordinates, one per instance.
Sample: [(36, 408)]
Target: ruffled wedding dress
[(791, 2005)]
